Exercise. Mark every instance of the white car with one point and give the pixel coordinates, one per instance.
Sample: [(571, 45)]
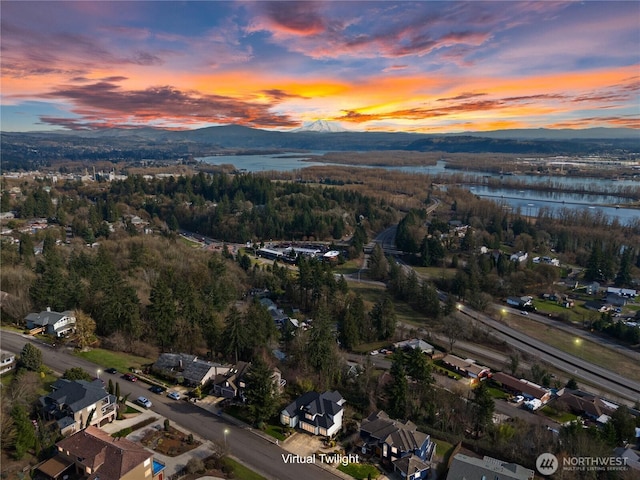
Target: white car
[(174, 395), (144, 401), (374, 352)]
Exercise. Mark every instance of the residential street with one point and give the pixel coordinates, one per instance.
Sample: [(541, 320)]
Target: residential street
[(252, 450)]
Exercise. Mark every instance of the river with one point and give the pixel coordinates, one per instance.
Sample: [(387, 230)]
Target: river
[(529, 201)]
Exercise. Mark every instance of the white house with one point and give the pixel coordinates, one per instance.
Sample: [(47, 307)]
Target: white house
[(316, 413), (54, 323), (7, 361), (519, 257)]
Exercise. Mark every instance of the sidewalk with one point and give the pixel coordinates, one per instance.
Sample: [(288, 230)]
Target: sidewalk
[(172, 464), (298, 443)]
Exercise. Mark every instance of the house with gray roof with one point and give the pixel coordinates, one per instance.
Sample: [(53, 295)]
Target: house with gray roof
[(54, 323), (187, 368), (415, 343), (392, 440), (464, 467), (316, 413), (74, 403)]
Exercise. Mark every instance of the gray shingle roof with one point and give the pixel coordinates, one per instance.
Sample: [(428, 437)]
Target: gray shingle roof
[(404, 436), (464, 467), (323, 406), (76, 395), (47, 318)]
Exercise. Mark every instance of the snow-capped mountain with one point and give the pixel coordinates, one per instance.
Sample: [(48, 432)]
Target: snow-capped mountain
[(321, 126)]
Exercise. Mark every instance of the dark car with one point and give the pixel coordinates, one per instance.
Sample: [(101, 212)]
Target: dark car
[(157, 389), (130, 377), (111, 370)]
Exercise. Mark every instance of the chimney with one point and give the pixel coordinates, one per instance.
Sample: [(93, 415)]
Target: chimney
[(48, 309)]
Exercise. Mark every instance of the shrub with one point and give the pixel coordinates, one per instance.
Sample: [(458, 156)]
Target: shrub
[(166, 424), (195, 465)]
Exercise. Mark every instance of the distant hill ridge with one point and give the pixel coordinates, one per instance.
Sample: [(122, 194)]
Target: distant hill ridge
[(323, 135)]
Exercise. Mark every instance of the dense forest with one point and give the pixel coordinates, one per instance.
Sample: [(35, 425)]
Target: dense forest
[(151, 292)]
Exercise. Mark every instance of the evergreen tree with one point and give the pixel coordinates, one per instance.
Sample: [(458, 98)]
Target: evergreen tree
[(25, 438), (383, 318), (397, 388), (261, 391), (162, 312), (483, 408), (623, 277), (418, 367), (378, 264), (234, 335), (30, 358)]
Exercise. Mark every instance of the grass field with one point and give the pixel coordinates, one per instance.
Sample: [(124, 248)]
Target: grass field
[(241, 472), (585, 349), (360, 471), (119, 360), (560, 417), (442, 447), (435, 272), (352, 266)]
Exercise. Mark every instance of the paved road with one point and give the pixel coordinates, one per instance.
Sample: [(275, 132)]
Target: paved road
[(577, 331), (615, 383), (252, 450)]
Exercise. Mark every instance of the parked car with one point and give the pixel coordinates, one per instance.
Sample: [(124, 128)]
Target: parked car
[(157, 389), (130, 377), (374, 352), (174, 395), (524, 312), (111, 370), (144, 401)]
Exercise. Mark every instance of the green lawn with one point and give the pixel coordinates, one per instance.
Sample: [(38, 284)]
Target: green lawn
[(360, 471), (560, 417), (118, 360), (435, 272), (241, 413), (241, 472), (352, 266), (497, 393), (275, 431), (442, 447)]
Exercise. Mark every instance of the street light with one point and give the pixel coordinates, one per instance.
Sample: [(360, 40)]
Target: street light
[(99, 372), (578, 342), (226, 432)]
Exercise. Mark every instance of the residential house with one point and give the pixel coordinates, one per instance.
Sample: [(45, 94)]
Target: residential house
[(519, 257), (316, 413), (467, 367), (276, 313), (53, 323), (520, 302), (74, 403), (615, 300), (547, 260), (92, 454), (585, 403), (464, 467), (631, 458), (188, 369), (597, 305), (623, 292), (527, 389), (399, 444), (7, 361), (231, 383), (414, 343)]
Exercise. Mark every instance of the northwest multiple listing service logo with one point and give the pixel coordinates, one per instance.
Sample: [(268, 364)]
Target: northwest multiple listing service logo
[(548, 464)]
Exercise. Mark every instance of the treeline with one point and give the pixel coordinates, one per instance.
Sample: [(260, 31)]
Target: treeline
[(251, 207)]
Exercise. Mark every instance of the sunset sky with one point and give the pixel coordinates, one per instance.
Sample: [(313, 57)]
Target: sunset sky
[(399, 66)]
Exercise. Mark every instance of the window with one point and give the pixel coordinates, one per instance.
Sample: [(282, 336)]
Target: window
[(147, 462)]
